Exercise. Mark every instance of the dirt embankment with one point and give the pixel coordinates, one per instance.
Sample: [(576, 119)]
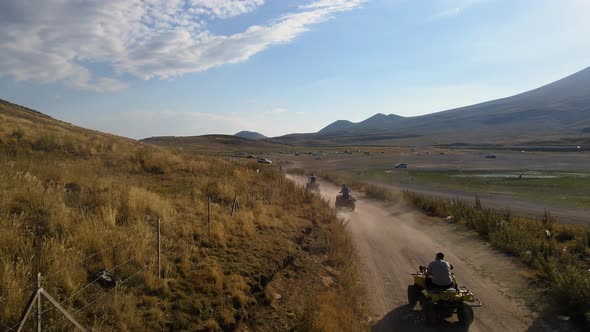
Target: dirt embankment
[(393, 240)]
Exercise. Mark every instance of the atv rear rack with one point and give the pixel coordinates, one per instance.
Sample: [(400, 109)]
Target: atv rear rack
[(476, 300), (475, 303)]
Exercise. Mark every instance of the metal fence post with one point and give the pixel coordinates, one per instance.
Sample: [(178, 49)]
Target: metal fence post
[(39, 303), (234, 206), (209, 216), (159, 252)]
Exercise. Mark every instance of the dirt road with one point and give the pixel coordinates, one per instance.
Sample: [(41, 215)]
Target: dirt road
[(393, 240)]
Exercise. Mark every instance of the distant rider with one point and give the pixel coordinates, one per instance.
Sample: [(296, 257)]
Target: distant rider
[(313, 178), (438, 274), (345, 191)]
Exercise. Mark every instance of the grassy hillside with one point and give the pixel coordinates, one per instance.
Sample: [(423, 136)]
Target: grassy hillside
[(74, 201), (226, 145)]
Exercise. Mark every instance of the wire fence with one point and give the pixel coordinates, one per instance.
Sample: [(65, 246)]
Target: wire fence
[(77, 292), (80, 290), (109, 292), (46, 278)]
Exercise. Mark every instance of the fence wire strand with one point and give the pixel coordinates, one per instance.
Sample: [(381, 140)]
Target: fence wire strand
[(34, 284), (109, 292), (86, 286)]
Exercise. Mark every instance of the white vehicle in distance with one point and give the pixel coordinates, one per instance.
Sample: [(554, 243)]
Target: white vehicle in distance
[(264, 161), (401, 165)]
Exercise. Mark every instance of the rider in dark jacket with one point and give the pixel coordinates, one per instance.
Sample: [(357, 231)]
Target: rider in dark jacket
[(313, 178), (345, 191)]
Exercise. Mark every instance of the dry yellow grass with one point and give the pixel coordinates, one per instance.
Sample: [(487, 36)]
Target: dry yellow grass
[(74, 201)]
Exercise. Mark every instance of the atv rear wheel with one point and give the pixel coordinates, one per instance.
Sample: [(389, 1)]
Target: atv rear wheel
[(429, 312), (413, 295), (465, 315)]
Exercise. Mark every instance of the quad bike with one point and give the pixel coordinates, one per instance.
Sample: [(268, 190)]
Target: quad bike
[(313, 186), (347, 203), (438, 304)]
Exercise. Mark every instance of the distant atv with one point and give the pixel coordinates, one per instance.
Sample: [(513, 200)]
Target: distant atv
[(438, 304), (345, 203), (313, 186)]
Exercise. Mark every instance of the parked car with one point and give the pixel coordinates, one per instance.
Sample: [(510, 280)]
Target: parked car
[(401, 165), (264, 161), (491, 156)]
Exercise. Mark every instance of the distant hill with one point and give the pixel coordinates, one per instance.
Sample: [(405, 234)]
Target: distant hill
[(377, 121), (213, 144), (250, 135), (552, 113), (339, 125)]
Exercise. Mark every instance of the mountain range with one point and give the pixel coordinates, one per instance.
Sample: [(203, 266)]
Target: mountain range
[(556, 112), (250, 134)]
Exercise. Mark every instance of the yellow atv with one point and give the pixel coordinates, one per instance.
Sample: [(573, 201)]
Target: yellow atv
[(438, 304)]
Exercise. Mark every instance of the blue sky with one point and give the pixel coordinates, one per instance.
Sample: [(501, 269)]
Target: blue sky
[(190, 67)]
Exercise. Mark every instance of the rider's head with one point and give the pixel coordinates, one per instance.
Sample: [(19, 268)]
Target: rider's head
[(343, 185), (440, 255)]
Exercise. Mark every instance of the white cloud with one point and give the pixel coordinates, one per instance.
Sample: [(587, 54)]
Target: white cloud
[(224, 8), (448, 12), (350, 4), (277, 110), (454, 8), (57, 40)]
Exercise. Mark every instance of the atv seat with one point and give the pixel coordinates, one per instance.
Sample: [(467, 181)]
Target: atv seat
[(434, 288), (442, 290)]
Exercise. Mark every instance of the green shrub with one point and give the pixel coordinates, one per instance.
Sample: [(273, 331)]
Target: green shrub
[(565, 235), (570, 287), (17, 133), (46, 143)]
